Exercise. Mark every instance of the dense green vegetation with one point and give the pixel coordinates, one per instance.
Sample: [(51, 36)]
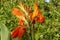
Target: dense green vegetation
[(50, 30)]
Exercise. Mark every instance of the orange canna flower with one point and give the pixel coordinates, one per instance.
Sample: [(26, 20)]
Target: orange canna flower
[(18, 32), (36, 16)]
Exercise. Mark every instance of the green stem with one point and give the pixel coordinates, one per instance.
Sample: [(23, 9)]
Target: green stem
[(32, 32)]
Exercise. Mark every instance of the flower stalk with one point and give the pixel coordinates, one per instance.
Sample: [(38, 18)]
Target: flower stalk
[(32, 33)]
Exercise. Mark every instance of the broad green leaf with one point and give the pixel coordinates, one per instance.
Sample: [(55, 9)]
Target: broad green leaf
[(5, 34)]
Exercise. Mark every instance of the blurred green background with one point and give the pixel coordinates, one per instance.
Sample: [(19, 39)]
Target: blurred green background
[(50, 30)]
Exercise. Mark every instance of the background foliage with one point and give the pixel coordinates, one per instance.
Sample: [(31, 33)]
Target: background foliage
[(50, 30)]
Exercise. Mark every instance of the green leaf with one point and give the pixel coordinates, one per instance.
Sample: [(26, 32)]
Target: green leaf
[(5, 34), (0, 34), (37, 36)]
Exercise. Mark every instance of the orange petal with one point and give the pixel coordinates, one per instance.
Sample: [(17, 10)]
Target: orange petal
[(21, 32), (35, 13), (15, 33), (41, 19), (22, 22), (17, 12)]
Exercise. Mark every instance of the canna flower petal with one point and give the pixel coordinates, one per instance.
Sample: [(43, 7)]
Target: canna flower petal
[(35, 13), (22, 31), (41, 19), (22, 22), (18, 32), (14, 33), (17, 12)]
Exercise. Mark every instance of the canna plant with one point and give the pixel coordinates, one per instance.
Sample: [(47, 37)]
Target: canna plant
[(25, 16)]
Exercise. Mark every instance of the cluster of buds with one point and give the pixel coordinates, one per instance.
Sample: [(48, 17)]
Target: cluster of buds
[(34, 16)]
